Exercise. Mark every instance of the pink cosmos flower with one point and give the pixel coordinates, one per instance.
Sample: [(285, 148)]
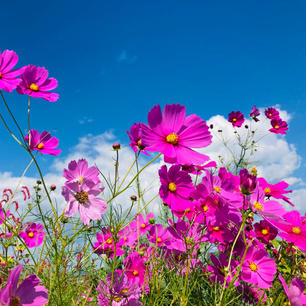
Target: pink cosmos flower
[(28, 293), (83, 197), (278, 126), (8, 77), (122, 293), (258, 269), (36, 84), (236, 118), (43, 143), (159, 235), (293, 229), (135, 268), (295, 291), (197, 169), (219, 268), (4, 214), (79, 170), (254, 113), (176, 187), (267, 209), (173, 134), (265, 231), (106, 244), (33, 235), (272, 113), (142, 224), (276, 191), (135, 137)]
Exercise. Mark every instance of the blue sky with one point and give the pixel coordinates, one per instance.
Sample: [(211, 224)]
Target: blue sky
[(114, 60)]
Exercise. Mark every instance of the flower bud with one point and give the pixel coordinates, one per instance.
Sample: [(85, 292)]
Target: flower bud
[(116, 146), (133, 198), (248, 182), (52, 187)]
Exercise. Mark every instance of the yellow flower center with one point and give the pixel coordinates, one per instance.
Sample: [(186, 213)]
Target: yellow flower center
[(270, 115), (143, 225), (257, 205), (109, 241), (187, 210), (117, 298), (124, 291), (34, 87), (234, 119), (296, 230), (40, 146), (172, 138), (158, 240), (0, 75), (254, 171), (172, 187), (267, 190), (217, 189), (205, 208), (14, 301), (135, 273), (265, 232), (276, 127), (80, 180), (30, 234), (216, 228), (253, 266), (82, 197)]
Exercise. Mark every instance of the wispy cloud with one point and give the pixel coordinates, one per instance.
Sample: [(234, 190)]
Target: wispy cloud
[(124, 57), (85, 120)]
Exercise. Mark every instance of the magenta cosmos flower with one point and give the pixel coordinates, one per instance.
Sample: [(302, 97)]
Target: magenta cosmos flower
[(278, 126), (271, 113), (258, 269), (236, 118), (248, 182), (173, 134), (33, 235), (295, 291), (83, 197), (293, 229), (35, 83), (254, 113), (118, 290), (79, 170), (135, 136), (8, 77), (29, 293), (43, 143), (176, 187), (265, 231)]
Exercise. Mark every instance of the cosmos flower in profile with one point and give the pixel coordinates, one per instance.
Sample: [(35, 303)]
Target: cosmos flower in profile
[(173, 134), (28, 293), (254, 113), (43, 143), (236, 118), (135, 136), (8, 77), (35, 83)]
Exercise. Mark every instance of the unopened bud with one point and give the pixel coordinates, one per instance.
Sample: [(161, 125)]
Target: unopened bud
[(53, 187), (116, 146), (133, 198)]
